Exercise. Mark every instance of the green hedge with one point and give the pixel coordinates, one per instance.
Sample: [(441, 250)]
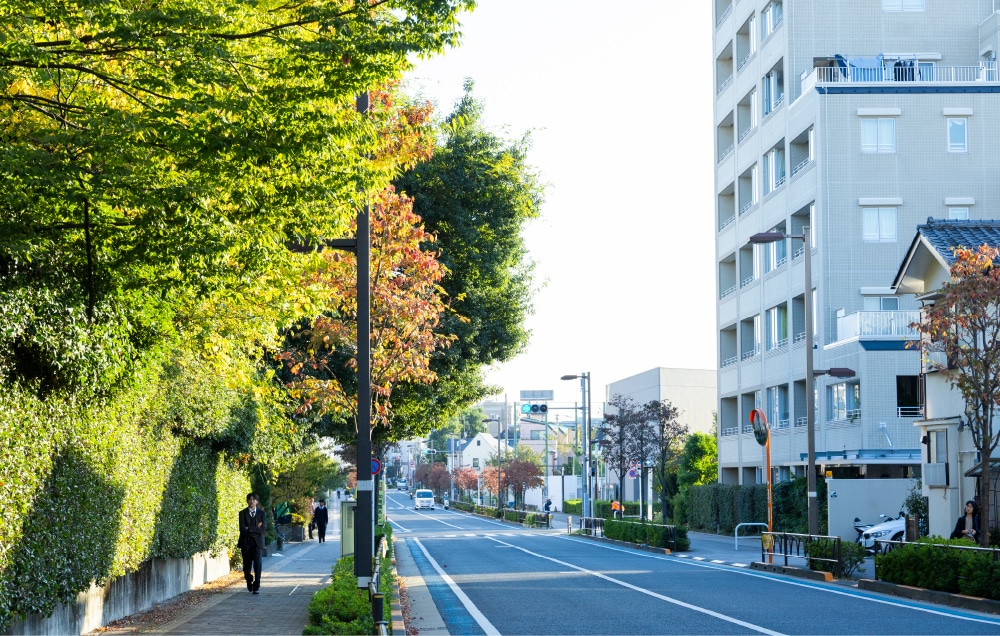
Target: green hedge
[(721, 507), (642, 532), (91, 487), (925, 564), (342, 608)]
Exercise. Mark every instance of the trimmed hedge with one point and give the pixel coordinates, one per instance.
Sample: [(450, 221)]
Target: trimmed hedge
[(91, 487), (925, 564), (643, 532), (721, 507), (342, 608)]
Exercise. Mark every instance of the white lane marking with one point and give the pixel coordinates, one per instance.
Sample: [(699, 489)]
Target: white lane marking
[(484, 623), (703, 610), (396, 523), (717, 561), (471, 534), (794, 583), (293, 590), (450, 525)]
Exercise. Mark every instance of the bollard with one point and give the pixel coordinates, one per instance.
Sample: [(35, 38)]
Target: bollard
[(569, 524)]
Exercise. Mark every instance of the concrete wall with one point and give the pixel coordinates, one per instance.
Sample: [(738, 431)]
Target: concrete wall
[(865, 499), (155, 581)]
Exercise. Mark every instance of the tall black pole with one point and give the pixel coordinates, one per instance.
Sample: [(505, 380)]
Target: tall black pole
[(364, 536)]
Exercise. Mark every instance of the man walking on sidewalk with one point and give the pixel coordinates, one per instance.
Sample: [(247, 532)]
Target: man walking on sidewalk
[(322, 517), (253, 529)]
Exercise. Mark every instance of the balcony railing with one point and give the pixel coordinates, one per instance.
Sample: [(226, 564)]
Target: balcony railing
[(748, 428), (912, 412), (801, 422), (730, 431), (878, 325), (727, 222), (800, 167), (724, 15), (725, 153), (727, 292), (728, 362), (746, 207), (982, 72), (743, 135), (749, 354), (746, 281), (726, 82), (781, 424)]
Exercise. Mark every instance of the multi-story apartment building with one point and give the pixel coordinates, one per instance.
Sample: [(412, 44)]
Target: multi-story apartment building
[(849, 123)]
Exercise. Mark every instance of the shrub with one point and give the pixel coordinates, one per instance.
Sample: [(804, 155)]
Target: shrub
[(341, 608), (926, 564), (642, 532), (852, 555), (573, 506)]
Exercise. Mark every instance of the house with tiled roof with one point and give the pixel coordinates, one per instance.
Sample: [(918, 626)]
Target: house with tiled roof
[(950, 465)]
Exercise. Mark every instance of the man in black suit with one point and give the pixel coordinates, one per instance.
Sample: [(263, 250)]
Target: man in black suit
[(322, 517), (253, 529)]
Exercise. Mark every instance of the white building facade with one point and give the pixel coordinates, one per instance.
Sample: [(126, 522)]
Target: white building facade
[(857, 120)]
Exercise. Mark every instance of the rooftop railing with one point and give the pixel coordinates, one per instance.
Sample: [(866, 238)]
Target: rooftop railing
[(878, 325)]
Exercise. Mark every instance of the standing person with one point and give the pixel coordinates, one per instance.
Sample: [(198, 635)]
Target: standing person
[(312, 519), (548, 512), (253, 528), (322, 517), (967, 526), (617, 509)]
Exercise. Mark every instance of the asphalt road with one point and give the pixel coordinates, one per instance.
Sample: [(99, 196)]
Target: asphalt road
[(488, 577)]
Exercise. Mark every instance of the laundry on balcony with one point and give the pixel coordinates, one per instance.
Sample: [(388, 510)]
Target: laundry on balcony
[(861, 69)]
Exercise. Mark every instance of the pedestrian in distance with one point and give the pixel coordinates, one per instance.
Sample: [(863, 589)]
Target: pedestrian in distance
[(548, 512), (967, 526), (253, 529), (617, 509), (322, 517), (312, 520)]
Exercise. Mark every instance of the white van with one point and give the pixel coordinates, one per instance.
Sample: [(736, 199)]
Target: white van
[(423, 498)]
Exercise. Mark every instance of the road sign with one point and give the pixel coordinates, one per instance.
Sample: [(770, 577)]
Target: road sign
[(631, 473), (376, 466), (527, 396)]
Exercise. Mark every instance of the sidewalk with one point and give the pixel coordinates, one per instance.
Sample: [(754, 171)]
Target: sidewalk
[(287, 586)]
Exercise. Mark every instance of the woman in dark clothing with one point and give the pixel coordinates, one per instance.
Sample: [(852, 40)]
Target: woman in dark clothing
[(968, 524)]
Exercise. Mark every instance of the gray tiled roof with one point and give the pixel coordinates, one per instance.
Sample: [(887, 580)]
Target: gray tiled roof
[(945, 234)]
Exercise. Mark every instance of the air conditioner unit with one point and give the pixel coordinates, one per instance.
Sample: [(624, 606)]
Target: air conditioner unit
[(936, 475)]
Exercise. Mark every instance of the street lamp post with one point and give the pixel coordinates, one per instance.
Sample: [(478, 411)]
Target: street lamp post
[(498, 459), (811, 373), (585, 394)]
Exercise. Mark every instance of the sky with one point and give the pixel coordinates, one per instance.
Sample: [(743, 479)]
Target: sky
[(617, 98)]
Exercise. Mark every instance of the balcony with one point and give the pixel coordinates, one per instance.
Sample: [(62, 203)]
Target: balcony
[(887, 76), (878, 325)]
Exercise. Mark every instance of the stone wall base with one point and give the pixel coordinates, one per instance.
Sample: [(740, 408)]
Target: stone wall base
[(156, 580)]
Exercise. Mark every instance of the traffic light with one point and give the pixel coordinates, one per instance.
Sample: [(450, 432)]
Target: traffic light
[(535, 409)]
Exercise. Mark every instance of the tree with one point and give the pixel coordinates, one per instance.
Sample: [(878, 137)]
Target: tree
[(617, 430), (964, 324), (156, 154), (466, 478), (521, 475), (406, 306), (643, 449), (475, 196), (669, 434), (699, 461), (313, 474)]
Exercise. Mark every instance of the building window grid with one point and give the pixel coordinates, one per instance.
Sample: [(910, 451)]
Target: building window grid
[(879, 224), (878, 134), (903, 5)]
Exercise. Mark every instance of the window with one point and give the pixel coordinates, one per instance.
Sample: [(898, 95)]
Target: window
[(845, 401), (475, 462), (773, 91), (958, 134), (879, 225), (878, 134), (958, 213), (770, 19), (774, 169), (881, 303), (777, 327), (902, 5), (774, 253)]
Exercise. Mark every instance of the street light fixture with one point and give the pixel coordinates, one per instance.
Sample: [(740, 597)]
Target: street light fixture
[(811, 373), (585, 392)]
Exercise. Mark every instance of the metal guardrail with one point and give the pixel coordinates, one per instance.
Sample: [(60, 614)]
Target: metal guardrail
[(593, 526), (376, 596), (797, 546), (736, 532)]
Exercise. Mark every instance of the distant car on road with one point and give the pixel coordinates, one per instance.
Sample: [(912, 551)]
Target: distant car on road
[(423, 498), (401, 484)]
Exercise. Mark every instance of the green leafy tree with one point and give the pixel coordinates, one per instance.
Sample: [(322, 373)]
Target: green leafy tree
[(475, 195), (153, 154), (699, 461), (312, 475)]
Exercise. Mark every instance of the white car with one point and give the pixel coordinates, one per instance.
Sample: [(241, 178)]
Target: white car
[(423, 498), (401, 484), (891, 530)]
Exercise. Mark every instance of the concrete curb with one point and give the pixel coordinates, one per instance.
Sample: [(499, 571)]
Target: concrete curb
[(931, 596), (398, 624), (813, 575)]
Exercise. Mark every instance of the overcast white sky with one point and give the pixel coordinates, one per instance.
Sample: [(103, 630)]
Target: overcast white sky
[(618, 98)]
